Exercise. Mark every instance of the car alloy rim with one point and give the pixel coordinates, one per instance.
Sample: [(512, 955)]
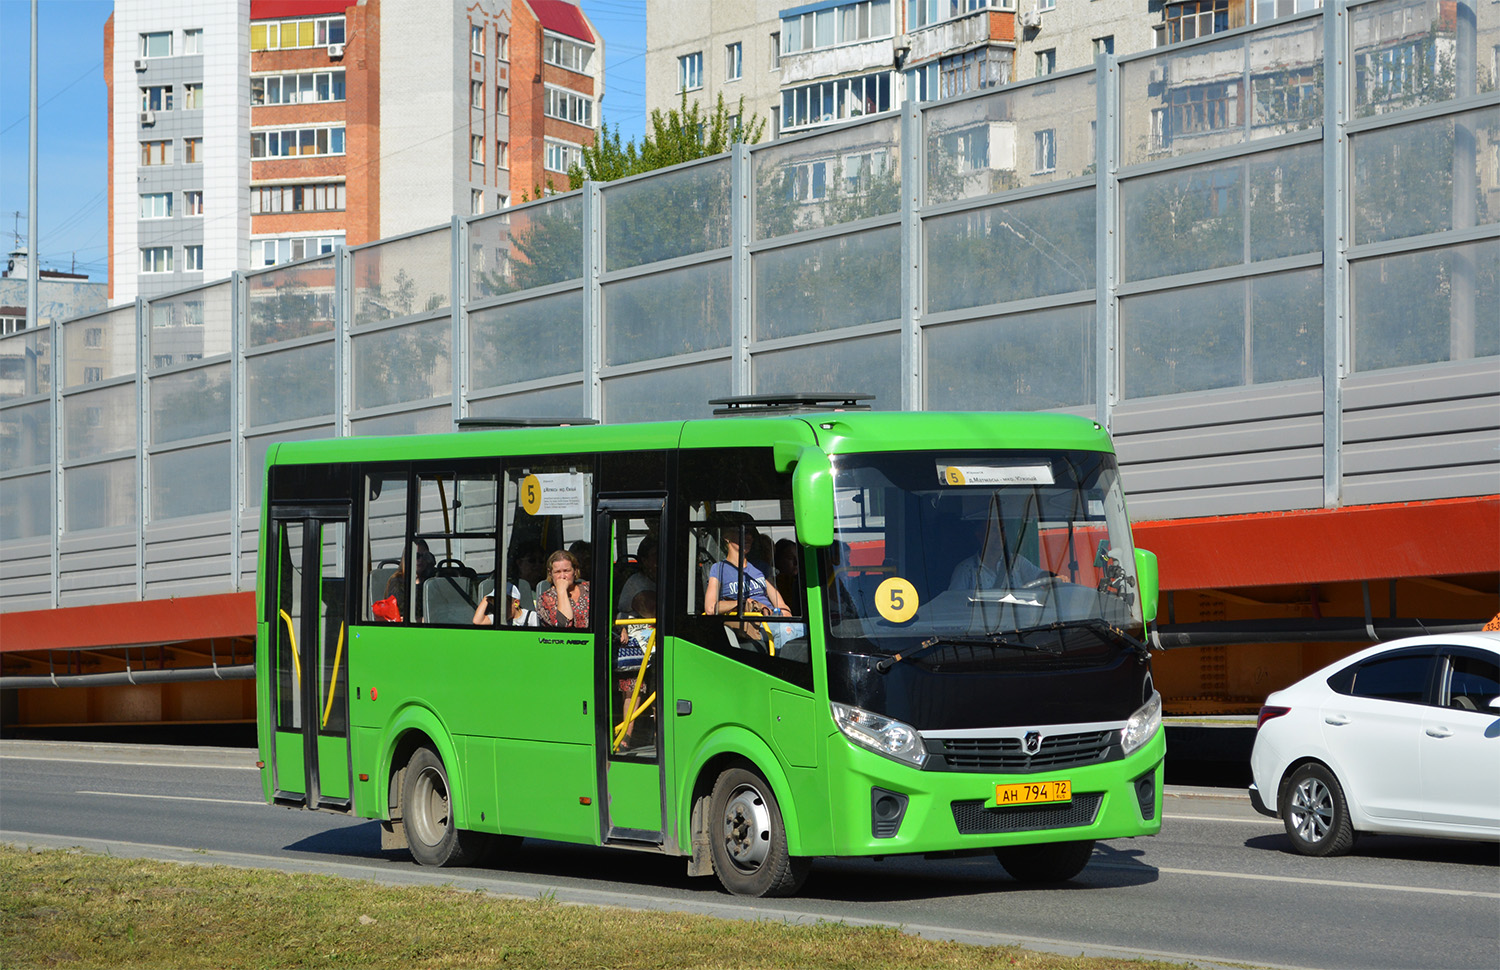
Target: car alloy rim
[(747, 828), (1312, 810)]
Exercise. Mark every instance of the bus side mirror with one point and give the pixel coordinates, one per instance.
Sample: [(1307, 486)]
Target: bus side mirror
[(812, 497), (1147, 582)]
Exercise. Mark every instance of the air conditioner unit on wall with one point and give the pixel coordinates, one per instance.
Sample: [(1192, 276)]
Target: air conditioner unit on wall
[(1031, 18), (335, 51), (148, 117), (140, 63)]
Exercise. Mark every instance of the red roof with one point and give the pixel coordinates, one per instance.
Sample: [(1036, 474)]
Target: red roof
[(562, 17), (289, 9)]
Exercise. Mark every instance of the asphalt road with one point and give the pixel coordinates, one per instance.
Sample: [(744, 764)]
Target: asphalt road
[(1218, 885)]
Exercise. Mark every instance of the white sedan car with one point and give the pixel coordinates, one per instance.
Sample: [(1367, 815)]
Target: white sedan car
[(1402, 737)]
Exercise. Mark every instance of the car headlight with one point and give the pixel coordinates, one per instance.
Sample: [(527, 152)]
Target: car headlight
[(886, 736), (1142, 724)]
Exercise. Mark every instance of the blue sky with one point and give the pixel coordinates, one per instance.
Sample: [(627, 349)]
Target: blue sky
[(73, 155)]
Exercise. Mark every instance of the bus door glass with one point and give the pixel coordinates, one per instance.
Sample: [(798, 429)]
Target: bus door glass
[(631, 663), (310, 656)]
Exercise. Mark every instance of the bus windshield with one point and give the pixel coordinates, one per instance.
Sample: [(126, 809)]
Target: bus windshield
[(992, 556)]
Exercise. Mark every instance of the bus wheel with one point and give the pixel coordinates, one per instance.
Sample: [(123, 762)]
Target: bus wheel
[(426, 809), (1045, 862), (748, 838)]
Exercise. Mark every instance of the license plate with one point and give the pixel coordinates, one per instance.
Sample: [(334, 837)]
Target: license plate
[(1033, 793)]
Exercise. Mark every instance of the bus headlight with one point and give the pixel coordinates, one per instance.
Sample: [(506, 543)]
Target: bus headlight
[(883, 735), (1142, 724)]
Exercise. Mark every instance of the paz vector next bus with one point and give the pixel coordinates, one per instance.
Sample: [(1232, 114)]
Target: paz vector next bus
[(750, 641)]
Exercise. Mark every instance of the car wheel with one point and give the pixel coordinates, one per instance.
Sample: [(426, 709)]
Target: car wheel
[(1315, 812), (748, 838), (427, 812), (1046, 861)]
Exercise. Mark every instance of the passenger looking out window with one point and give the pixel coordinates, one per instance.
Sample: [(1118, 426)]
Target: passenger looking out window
[(565, 604)]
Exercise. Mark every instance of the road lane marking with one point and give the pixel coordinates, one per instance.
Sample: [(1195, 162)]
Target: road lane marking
[(171, 798), (1301, 880), (122, 761)]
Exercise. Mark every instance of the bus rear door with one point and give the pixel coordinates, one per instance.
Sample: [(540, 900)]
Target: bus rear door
[(307, 596)]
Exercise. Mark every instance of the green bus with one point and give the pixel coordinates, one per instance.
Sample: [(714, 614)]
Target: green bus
[(789, 632)]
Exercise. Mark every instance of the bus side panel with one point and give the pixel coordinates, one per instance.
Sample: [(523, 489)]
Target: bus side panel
[(733, 714), (546, 790)]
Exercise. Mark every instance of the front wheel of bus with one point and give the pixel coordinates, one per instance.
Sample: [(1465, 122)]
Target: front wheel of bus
[(749, 838), (1045, 862), (426, 808)]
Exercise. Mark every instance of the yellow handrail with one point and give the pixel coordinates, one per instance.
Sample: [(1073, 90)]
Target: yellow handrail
[(333, 677), (631, 711), (291, 635)]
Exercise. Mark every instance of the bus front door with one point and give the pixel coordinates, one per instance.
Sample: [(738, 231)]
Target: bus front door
[(307, 591), (630, 670)]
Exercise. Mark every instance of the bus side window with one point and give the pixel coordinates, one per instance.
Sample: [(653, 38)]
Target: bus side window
[(546, 507), (384, 538), (456, 521)]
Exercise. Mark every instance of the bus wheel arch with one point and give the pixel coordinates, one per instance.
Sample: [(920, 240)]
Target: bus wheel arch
[(429, 818)]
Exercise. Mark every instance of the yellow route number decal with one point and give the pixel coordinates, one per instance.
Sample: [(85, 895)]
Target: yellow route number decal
[(531, 494), (896, 600)]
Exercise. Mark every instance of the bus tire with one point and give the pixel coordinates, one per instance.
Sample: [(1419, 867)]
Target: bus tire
[(426, 810), (748, 838), (1045, 861)]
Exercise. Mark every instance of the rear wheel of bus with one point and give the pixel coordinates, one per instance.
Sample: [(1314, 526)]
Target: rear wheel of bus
[(749, 838), (427, 812), (1046, 861)]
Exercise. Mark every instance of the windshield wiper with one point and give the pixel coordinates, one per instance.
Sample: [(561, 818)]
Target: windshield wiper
[(1105, 630), (938, 642)]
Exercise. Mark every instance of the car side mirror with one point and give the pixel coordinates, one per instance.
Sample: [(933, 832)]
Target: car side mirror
[(1494, 704), (1147, 583)]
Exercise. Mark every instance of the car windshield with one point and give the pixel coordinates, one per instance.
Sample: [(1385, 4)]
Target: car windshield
[(1008, 555)]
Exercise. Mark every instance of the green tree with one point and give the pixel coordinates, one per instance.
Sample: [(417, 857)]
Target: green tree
[(680, 135)]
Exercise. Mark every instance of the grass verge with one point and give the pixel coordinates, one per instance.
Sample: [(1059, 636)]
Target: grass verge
[(74, 909)]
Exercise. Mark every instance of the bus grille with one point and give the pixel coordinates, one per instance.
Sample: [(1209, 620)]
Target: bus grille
[(1005, 754), (974, 818)]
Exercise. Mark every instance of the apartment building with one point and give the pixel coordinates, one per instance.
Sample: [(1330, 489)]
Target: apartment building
[(811, 65), (249, 133)]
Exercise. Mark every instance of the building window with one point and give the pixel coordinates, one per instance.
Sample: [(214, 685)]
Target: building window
[(560, 156), (925, 13), (156, 259), (476, 201), (192, 203), (849, 23), (502, 46), (502, 154), (830, 101), (156, 98), (690, 71), (734, 62), (775, 50), (156, 152), (570, 54), (476, 39), (1199, 18), (1046, 150), (315, 197), (305, 88), (476, 94), (157, 44), (192, 259), (156, 205), (476, 149), (1045, 5), (974, 70), (192, 41), (192, 96), (1046, 62), (1204, 108), (270, 252), (502, 101), (286, 34), (1104, 45), (566, 105), (92, 375), (93, 337), (297, 141), (192, 150)]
